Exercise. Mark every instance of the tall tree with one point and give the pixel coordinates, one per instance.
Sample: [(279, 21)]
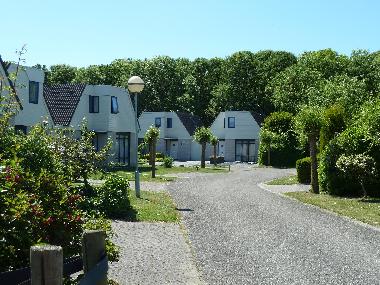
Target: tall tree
[(151, 137), (61, 74)]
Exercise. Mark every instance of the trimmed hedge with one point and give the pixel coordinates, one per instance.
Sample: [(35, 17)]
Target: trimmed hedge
[(362, 137), (303, 167)]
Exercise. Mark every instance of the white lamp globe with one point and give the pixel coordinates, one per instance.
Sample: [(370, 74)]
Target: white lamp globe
[(135, 84)]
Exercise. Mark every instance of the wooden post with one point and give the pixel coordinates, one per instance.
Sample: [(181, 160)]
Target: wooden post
[(93, 249), (46, 263)]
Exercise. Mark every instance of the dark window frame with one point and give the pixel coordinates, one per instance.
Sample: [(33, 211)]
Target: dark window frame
[(122, 138), (251, 157), (157, 125), (113, 111), (92, 104), (169, 125), (33, 98), (230, 120)]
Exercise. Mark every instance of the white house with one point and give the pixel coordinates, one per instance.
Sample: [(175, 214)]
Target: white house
[(238, 133), (28, 87), (108, 111), (176, 133)]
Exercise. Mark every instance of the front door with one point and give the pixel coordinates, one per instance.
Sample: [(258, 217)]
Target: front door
[(221, 148), (245, 150), (173, 149)]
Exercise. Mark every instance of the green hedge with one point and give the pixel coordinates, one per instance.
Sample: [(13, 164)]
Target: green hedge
[(303, 167), (360, 138)]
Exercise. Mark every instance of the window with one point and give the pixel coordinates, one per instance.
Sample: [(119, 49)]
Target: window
[(20, 129), (122, 147), (94, 104), (169, 123), (231, 122), (95, 141), (157, 122), (224, 123), (114, 105), (33, 92)]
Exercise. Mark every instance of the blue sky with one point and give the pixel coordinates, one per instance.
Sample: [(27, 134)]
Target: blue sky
[(82, 32)]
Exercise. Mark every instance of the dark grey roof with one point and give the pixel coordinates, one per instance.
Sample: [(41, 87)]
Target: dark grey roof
[(259, 118), (190, 121), (62, 100), (5, 67)]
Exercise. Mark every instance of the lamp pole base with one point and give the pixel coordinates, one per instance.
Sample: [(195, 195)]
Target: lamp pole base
[(137, 183)]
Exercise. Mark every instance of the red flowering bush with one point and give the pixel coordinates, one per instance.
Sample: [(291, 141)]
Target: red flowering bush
[(36, 209)]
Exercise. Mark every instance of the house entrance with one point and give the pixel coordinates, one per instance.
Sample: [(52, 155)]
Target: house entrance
[(245, 150), (172, 148)]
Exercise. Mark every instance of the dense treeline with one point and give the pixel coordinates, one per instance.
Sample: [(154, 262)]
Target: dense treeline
[(264, 82)]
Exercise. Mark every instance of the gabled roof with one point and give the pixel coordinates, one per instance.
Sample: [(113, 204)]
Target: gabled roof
[(62, 101), (259, 118), (191, 122), (5, 67)]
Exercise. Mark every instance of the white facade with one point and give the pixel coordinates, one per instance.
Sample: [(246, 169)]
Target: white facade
[(119, 127), (238, 134), (33, 108), (175, 139)]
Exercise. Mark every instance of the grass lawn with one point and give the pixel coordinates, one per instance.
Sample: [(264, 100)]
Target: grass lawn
[(366, 210), (145, 171), (152, 207), (288, 180)]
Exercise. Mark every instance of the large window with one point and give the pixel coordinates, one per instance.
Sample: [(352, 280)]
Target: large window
[(169, 123), (231, 122), (122, 147), (245, 150), (94, 104), (114, 105), (33, 92), (157, 122)]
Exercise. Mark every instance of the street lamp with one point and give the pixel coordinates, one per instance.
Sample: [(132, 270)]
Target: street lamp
[(135, 86)]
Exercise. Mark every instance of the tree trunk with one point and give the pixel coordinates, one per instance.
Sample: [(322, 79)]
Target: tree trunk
[(215, 162), (364, 192), (153, 159), (203, 157), (150, 154), (314, 164)]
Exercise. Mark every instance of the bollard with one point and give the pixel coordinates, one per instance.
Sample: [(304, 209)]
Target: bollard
[(46, 264), (229, 167), (93, 248)]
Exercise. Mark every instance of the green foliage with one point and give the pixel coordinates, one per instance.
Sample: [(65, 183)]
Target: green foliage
[(360, 138), (168, 162), (214, 140), (111, 199), (303, 167), (309, 122), (61, 74), (277, 136), (292, 86), (334, 123), (151, 135), (202, 135)]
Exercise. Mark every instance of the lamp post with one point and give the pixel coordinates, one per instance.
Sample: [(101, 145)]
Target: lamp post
[(135, 86)]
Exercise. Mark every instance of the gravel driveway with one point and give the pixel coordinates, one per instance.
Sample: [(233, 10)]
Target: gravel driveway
[(242, 234)]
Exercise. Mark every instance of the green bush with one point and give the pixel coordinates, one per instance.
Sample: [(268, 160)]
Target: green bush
[(112, 198), (362, 137), (159, 157), (168, 162), (303, 167), (278, 137)]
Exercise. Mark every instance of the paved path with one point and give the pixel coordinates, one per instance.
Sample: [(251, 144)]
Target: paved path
[(242, 234), (153, 253)]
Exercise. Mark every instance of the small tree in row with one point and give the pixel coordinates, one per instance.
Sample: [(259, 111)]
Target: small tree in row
[(151, 137), (214, 143), (203, 136)]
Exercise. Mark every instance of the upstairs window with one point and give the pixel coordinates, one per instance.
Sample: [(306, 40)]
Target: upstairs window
[(157, 122), (94, 104), (33, 92), (224, 123), (169, 123), (114, 105), (231, 122)]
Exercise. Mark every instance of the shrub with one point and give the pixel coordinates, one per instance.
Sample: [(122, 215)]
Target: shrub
[(168, 162), (279, 139), (334, 123), (361, 138), (303, 167), (112, 197)]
